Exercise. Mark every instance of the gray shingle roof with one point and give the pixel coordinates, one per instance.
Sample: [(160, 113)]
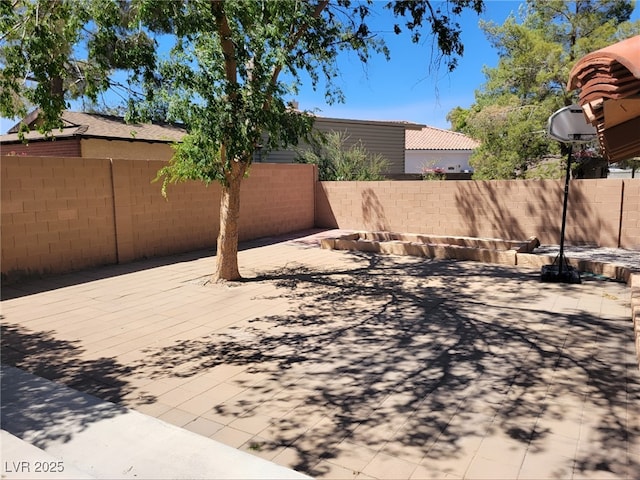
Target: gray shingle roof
[(94, 125)]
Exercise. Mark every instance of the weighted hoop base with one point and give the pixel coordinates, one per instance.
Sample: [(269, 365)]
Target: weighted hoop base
[(551, 273)]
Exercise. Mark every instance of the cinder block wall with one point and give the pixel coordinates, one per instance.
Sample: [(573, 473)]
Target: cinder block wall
[(64, 214), (148, 225), (630, 231), (277, 199), (504, 209), (56, 215)]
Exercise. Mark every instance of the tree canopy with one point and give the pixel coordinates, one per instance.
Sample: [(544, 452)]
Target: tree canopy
[(225, 75), (537, 49)]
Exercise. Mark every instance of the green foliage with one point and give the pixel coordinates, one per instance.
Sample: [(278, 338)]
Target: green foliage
[(510, 136), (222, 77), (441, 18), (54, 51), (458, 119), (433, 176), (633, 163), (537, 50), (33, 33), (552, 168), (430, 171), (194, 159), (337, 161)]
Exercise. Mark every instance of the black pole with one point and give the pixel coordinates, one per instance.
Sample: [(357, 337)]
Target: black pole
[(564, 210)]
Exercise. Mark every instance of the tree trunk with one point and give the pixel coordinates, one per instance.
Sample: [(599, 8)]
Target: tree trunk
[(227, 253)]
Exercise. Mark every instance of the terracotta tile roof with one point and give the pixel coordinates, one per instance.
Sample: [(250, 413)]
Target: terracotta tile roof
[(609, 83), (95, 125), (431, 138), (616, 63)]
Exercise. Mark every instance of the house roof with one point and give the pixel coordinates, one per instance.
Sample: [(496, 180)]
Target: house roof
[(95, 125), (620, 61), (609, 83), (431, 138), (389, 123)]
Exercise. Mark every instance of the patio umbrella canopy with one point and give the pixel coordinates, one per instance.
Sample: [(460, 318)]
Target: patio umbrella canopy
[(609, 83)]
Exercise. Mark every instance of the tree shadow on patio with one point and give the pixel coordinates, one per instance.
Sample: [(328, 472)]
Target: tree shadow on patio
[(500, 209), (414, 359), (41, 412)]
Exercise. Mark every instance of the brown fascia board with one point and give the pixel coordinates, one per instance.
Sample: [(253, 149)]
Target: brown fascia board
[(35, 136), (619, 141), (620, 111), (594, 111), (28, 120), (391, 123), (10, 139), (616, 142), (127, 139)]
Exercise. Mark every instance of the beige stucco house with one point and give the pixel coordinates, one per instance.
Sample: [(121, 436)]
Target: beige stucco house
[(92, 135), (378, 137)]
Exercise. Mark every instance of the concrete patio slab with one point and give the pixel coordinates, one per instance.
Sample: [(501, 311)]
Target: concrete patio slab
[(351, 365), (23, 460), (80, 436)]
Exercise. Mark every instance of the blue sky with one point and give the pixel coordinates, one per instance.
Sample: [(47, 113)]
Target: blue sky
[(406, 87)]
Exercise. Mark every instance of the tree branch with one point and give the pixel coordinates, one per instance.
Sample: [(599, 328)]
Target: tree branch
[(15, 28), (228, 48), (293, 40)]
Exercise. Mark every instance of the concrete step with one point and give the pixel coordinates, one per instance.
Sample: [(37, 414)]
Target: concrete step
[(23, 460), (97, 439)]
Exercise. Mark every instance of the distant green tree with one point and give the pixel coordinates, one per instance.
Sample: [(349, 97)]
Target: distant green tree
[(551, 167), (337, 161), (511, 110)]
